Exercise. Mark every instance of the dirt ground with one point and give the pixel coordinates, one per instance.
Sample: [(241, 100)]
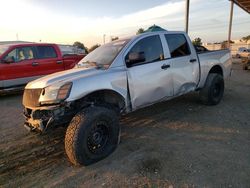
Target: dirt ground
[(178, 143)]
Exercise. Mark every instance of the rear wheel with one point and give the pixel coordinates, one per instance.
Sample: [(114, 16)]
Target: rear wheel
[(92, 135), (244, 66), (213, 90)]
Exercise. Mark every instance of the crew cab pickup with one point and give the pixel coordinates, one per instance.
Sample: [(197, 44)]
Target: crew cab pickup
[(117, 78), (24, 62)]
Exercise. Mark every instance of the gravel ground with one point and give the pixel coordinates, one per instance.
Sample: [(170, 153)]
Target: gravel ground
[(178, 143)]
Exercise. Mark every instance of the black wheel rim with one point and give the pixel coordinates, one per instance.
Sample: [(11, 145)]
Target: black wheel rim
[(98, 137)]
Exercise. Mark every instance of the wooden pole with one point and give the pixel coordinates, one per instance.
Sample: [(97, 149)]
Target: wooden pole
[(187, 15), (230, 24)]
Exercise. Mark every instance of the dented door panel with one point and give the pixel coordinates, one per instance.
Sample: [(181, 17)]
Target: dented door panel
[(149, 83), (185, 75), (184, 63)]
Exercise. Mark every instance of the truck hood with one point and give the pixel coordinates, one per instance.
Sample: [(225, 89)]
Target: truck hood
[(63, 76)]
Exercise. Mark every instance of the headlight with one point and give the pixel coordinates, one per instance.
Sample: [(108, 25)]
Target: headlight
[(55, 93)]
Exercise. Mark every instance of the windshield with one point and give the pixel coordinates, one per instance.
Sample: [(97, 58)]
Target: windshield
[(3, 49), (104, 55)]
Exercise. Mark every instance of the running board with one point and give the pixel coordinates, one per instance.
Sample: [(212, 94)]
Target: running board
[(4, 91)]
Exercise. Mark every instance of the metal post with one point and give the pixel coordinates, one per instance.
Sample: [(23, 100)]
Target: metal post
[(104, 35), (230, 24), (187, 15)]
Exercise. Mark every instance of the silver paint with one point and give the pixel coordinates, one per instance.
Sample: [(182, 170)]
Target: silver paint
[(146, 84)]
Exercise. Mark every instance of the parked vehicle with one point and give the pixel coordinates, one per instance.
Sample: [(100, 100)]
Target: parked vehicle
[(118, 78), (246, 63), (24, 62), (70, 49), (243, 53)]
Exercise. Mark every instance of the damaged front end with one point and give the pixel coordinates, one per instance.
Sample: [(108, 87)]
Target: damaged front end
[(40, 116)]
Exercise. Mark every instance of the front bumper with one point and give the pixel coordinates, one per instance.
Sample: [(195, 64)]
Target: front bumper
[(42, 118)]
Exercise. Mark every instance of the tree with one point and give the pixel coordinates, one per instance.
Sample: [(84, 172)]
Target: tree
[(80, 45), (197, 42), (246, 38), (140, 31), (92, 48), (114, 38), (224, 44)]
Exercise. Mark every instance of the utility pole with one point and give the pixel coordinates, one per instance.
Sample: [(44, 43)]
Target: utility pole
[(104, 38), (230, 24), (17, 37), (187, 15)]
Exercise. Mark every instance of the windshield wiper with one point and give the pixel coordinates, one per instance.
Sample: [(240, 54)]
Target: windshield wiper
[(97, 65), (92, 63)]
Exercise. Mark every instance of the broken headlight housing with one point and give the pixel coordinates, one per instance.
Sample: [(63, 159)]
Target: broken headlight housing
[(55, 93)]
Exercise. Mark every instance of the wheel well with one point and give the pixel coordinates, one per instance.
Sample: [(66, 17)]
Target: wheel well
[(105, 97), (216, 69)]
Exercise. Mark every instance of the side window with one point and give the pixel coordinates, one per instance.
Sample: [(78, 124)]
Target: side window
[(178, 45), (12, 56), (25, 53), (151, 49), (46, 52), (20, 54)]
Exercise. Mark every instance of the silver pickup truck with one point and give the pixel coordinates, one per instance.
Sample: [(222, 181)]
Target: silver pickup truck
[(118, 78)]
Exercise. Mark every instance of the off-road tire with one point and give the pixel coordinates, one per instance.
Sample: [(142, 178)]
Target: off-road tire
[(79, 135), (212, 92)]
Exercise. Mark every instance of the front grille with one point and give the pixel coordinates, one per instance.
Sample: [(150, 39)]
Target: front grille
[(31, 97)]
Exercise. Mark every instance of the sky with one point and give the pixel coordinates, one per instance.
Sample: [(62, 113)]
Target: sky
[(87, 21)]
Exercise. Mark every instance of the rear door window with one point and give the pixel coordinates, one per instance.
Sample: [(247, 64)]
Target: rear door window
[(45, 52), (178, 45)]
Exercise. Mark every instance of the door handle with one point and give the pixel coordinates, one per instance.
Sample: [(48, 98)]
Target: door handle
[(59, 62), (35, 64), (164, 66), (192, 60)]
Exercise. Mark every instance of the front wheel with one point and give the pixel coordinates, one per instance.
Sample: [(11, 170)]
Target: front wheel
[(212, 92), (92, 135)]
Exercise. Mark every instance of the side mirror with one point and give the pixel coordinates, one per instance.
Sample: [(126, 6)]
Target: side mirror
[(8, 60), (135, 57)]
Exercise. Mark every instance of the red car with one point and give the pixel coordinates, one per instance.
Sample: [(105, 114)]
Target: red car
[(21, 63)]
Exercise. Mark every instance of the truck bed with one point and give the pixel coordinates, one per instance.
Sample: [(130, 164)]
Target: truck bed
[(210, 58)]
